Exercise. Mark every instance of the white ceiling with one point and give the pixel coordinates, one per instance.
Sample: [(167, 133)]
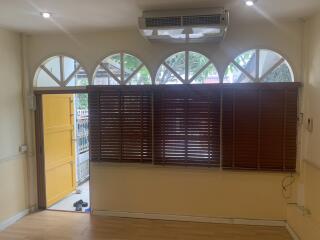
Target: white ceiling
[(95, 15)]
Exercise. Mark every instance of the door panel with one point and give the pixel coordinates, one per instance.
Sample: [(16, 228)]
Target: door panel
[(59, 146)]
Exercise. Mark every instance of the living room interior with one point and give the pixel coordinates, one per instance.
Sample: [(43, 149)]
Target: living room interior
[(172, 119)]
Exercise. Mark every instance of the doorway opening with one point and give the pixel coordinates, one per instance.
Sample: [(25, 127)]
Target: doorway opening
[(66, 151)]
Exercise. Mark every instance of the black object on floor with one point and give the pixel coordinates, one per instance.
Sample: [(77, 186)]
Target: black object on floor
[(79, 205)]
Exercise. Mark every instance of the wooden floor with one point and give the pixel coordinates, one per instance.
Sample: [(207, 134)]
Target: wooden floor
[(51, 225)]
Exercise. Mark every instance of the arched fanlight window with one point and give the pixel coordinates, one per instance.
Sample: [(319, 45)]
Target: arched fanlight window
[(187, 67), (60, 71), (121, 69), (258, 65)]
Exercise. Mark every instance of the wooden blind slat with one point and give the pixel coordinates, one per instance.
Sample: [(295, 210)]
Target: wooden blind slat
[(94, 126), (260, 128), (123, 121), (187, 126)]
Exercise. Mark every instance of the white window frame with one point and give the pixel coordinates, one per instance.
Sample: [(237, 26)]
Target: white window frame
[(64, 80), (187, 80), (257, 78), (122, 80)]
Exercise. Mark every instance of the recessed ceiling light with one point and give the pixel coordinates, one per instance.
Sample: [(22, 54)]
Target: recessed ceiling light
[(46, 14), (249, 3)]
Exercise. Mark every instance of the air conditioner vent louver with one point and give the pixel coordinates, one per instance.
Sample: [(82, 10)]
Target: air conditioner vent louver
[(201, 20), (163, 21), (185, 25)]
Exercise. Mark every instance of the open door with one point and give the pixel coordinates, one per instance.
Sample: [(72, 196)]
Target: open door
[(59, 146)]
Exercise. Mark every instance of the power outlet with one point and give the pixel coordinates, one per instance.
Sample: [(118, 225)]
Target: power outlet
[(23, 148), (310, 124)]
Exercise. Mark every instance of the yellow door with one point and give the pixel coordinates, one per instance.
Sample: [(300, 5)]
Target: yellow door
[(59, 146)]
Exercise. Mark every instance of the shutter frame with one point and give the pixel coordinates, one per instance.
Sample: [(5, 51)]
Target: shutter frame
[(276, 125), (223, 137), (187, 126), (120, 124)]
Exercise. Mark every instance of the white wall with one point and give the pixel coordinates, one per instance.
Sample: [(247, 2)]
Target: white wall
[(186, 191), (13, 167), (308, 226)]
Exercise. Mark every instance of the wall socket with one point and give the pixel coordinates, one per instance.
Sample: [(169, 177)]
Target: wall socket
[(310, 124), (23, 148)]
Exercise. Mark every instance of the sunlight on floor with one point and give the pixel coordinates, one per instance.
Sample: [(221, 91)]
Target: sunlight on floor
[(67, 203)]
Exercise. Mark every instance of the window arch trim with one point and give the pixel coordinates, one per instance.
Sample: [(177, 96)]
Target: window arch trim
[(154, 71)]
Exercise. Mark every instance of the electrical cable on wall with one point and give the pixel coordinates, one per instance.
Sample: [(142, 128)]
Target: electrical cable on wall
[(287, 181)]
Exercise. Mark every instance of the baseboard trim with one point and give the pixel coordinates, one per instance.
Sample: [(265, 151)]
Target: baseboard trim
[(292, 232), (6, 223), (257, 222)]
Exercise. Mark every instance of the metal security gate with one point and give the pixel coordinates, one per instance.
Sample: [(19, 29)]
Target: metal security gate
[(82, 146)]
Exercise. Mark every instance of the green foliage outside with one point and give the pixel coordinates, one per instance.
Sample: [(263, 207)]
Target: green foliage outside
[(247, 61), (280, 74), (82, 101), (130, 64)]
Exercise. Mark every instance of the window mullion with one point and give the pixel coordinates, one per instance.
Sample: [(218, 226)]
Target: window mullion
[(173, 72), (61, 60), (122, 68), (243, 70), (51, 75), (186, 79), (133, 74), (65, 83), (110, 73), (199, 72), (272, 68)]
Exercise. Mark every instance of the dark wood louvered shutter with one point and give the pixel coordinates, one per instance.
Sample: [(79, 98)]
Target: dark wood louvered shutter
[(259, 126), (120, 124), (187, 125)]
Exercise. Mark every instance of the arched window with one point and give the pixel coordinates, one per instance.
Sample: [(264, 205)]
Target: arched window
[(121, 69), (258, 65), (60, 71), (187, 67)]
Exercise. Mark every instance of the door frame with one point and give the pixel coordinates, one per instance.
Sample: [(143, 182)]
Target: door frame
[(39, 137)]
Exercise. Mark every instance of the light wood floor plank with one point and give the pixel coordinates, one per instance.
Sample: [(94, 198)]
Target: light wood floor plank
[(50, 225)]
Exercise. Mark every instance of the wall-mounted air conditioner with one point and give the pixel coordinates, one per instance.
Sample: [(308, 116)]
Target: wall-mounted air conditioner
[(197, 25)]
